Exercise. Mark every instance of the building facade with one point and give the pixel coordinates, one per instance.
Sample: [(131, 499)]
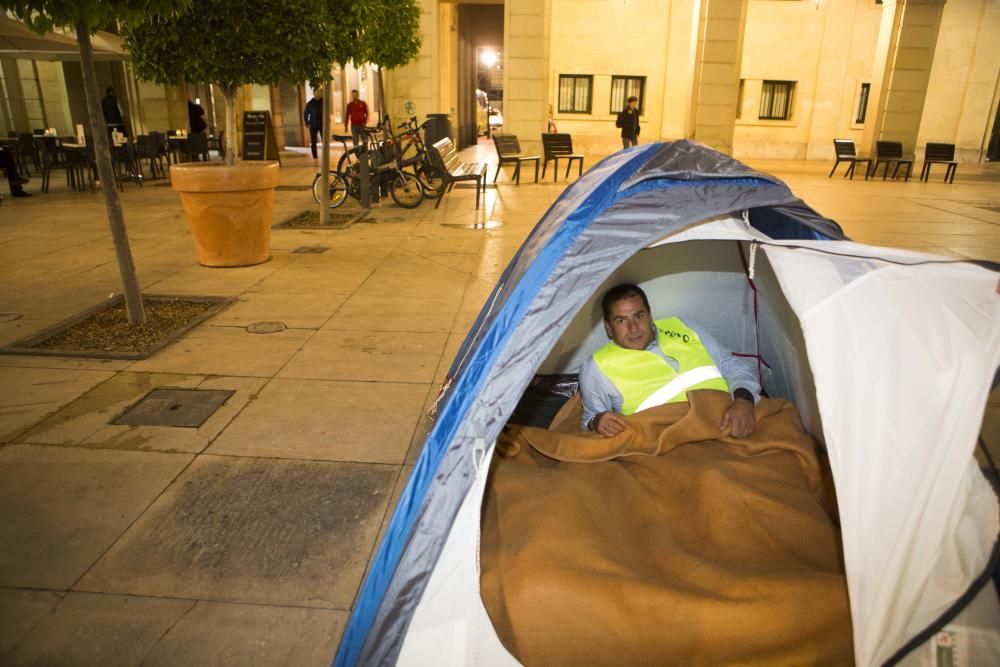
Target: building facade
[(754, 78)]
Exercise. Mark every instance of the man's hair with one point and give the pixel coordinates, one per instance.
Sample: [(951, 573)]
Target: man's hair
[(618, 293), (109, 91), (632, 99), (354, 91)]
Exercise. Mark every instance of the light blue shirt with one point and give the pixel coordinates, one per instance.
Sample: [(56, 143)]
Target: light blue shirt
[(599, 394)]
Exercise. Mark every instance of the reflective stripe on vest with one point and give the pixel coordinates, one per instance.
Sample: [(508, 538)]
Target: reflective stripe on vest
[(646, 380)]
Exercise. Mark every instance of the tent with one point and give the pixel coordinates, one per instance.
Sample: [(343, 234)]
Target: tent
[(888, 355)]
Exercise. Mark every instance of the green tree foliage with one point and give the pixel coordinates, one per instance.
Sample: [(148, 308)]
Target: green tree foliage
[(45, 15), (393, 37), (234, 42)]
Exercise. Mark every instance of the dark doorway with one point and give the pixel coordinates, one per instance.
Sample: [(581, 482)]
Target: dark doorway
[(480, 63)]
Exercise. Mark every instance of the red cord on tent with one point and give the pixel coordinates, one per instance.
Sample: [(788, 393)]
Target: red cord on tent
[(756, 320)]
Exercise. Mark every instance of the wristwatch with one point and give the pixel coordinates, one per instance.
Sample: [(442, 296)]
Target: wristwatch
[(744, 394), (591, 424)]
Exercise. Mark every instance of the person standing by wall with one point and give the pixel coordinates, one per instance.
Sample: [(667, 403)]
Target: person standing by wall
[(196, 122), (357, 116), (112, 112), (313, 116), (628, 121)]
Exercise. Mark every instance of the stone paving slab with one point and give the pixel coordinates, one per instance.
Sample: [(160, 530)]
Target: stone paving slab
[(80, 419), (326, 421), (30, 394), (208, 350), (368, 356), (395, 313), (292, 309), (261, 531), (20, 611), (98, 629), (167, 439), (63, 507)]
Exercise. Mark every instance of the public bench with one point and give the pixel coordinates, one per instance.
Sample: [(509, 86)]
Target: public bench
[(847, 153), (445, 159), (509, 151), (890, 153)]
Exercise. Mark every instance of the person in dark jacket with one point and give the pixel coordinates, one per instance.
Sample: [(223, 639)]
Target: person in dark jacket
[(112, 112), (9, 164), (313, 116), (628, 121)]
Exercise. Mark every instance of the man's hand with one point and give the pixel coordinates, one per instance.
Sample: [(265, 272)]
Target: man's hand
[(610, 424), (740, 417)]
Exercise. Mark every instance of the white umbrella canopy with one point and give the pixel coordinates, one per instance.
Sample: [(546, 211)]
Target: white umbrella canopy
[(18, 41)]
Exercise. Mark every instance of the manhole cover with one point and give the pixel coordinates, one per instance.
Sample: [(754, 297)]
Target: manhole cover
[(312, 249), (266, 327), (10, 317), (489, 224), (187, 408)]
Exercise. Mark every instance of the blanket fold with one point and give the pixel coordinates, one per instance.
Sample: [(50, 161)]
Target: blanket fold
[(670, 543)]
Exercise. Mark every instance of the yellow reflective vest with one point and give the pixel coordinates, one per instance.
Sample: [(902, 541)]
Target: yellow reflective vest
[(646, 380)]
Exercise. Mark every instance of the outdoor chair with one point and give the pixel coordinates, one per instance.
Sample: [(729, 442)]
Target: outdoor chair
[(509, 151), (846, 153), (54, 158), (890, 153), (26, 150), (940, 154), (559, 147), (147, 148)]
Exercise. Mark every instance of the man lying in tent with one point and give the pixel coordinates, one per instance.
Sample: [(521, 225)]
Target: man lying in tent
[(651, 362)]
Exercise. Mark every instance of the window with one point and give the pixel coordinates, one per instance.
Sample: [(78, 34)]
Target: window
[(859, 117), (624, 87), (575, 93), (776, 100)]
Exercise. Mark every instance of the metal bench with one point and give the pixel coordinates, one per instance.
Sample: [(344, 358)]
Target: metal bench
[(508, 151), (559, 147), (452, 169), (939, 154), (847, 153), (891, 153)]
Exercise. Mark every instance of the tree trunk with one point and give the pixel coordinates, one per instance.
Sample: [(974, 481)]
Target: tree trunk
[(102, 154), (230, 93), (324, 204)]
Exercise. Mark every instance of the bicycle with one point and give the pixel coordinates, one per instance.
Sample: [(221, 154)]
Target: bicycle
[(404, 188), (421, 162)]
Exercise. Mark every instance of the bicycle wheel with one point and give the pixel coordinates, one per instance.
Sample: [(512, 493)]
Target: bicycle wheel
[(406, 190), (337, 193), (431, 179)]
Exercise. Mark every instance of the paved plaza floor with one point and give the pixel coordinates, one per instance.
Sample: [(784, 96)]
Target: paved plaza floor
[(245, 541)]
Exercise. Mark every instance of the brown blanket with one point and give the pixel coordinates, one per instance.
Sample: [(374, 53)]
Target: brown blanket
[(668, 544)]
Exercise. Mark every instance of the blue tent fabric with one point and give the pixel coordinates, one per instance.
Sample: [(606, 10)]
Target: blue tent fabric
[(622, 204)]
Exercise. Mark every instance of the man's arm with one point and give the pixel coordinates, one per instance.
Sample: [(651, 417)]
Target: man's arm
[(597, 392), (740, 372), (364, 105)]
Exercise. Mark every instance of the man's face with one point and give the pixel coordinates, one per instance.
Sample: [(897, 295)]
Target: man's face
[(631, 105), (631, 325), (354, 96)]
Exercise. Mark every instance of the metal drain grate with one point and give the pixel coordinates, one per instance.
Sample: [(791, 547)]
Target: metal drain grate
[(185, 408), (312, 249)]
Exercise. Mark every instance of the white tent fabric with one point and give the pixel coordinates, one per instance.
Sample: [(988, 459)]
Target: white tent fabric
[(914, 536)]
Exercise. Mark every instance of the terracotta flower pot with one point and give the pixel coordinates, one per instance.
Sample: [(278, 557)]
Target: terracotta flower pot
[(228, 209)]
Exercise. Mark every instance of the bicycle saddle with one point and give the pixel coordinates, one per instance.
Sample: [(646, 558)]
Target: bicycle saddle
[(341, 137)]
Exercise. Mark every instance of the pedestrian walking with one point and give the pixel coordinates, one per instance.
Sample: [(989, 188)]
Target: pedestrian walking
[(628, 121), (313, 116)]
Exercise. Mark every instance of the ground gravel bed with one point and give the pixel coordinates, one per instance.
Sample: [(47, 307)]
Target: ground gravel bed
[(109, 330)]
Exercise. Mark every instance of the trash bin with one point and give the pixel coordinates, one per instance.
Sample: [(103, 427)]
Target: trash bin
[(438, 128)]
